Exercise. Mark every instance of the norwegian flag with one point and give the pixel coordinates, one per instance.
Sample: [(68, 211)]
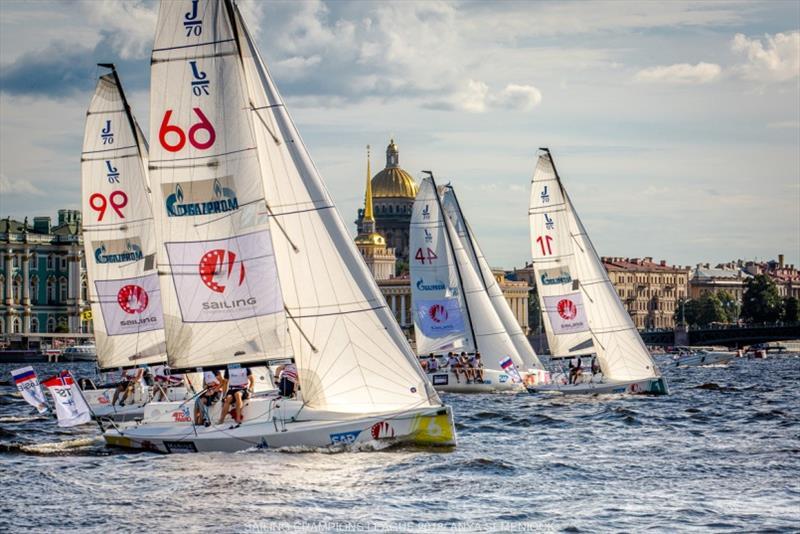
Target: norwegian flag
[(71, 408)]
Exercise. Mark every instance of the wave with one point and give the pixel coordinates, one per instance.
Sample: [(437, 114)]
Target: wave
[(712, 386), (71, 447)]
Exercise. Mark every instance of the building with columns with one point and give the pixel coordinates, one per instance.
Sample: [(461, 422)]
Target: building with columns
[(42, 275)]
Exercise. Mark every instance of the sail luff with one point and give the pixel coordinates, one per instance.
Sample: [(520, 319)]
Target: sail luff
[(118, 234), (350, 351)]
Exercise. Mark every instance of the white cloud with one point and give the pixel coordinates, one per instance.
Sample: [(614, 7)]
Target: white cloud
[(18, 187), (680, 73), (128, 26), (476, 97), (777, 59), (518, 97)]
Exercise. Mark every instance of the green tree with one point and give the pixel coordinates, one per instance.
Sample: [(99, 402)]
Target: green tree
[(761, 302), (62, 329), (791, 313), (730, 306), (710, 310)]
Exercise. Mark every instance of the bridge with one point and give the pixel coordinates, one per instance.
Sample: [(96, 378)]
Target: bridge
[(730, 336)]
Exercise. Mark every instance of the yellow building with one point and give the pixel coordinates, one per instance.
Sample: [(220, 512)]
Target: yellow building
[(379, 259)]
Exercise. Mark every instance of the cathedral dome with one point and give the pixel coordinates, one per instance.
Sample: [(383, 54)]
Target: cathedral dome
[(393, 182)]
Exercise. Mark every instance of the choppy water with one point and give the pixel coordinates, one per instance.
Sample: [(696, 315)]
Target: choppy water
[(722, 453)]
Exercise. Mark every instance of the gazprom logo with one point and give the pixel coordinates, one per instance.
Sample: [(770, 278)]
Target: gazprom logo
[(208, 197), (118, 251), (553, 277), (438, 285)]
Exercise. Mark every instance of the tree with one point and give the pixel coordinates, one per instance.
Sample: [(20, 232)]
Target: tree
[(791, 313), (708, 309), (62, 329), (761, 302), (730, 306)]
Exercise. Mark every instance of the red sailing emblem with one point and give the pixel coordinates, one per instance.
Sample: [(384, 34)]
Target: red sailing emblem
[(132, 299), (437, 313), (382, 430), (216, 264), (567, 309)]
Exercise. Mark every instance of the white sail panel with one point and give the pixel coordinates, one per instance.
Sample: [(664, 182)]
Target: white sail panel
[(350, 352), (464, 232), (440, 314), (219, 281), (119, 239), (554, 263), (620, 350)]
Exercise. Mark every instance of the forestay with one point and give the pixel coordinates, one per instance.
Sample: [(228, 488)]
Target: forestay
[(557, 282), (441, 320), (219, 280), (478, 261), (350, 352), (118, 235)]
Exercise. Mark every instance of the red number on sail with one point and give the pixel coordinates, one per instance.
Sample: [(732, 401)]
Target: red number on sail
[(427, 255), (99, 203), (204, 124), (547, 240)]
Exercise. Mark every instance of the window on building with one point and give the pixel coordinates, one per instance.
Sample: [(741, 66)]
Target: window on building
[(34, 325), (50, 262), (84, 289), (34, 289), (16, 326), (63, 289), (51, 324), (2, 288), (16, 289), (15, 261), (63, 262), (2, 326), (51, 290)]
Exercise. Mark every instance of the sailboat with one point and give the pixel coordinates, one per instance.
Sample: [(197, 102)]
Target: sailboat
[(582, 312), (256, 264), (452, 310), (119, 244)]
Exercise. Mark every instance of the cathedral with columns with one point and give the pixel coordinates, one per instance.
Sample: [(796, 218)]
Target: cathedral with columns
[(383, 240)]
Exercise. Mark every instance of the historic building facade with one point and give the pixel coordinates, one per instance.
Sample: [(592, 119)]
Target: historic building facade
[(393, 194), (42, 275), (650, 291), (379, 258), (729, 278)]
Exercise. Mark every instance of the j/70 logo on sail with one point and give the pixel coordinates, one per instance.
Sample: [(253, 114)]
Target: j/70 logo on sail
[(132, 299), (191, 23), (219, 263)]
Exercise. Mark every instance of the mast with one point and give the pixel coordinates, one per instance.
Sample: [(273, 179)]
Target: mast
[(455, 261), (468, 233)]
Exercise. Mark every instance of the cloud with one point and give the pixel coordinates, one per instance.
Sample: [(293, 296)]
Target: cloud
[(127, 28), (476, 97), (18, 187), (680, 73), (518, 97), (57, 71), (777, 59)]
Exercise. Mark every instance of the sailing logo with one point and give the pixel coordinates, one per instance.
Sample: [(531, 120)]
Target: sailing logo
[(554, 277), (437, 313), (545, 196), (382, 430), (225, 279), (130, 306), (548, 222), (117, 251), (132, 299), (428, 236), (204, 197), (191, 23), (200, 80), (106, 134), (113, 173), (213, 267), (426, 213), (439, 318), (566, 313)]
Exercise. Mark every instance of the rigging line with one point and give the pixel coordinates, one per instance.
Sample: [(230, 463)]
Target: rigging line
[(282, 229), (266, 126), (297, 212), (203, 56), (268, 106), (189, 46), (112, 226), (153, 167), (101, 158), (311, 316), (109, 149), (88, 113), (302, 333)]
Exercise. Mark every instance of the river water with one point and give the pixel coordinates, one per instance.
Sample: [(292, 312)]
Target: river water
[(722, 453)]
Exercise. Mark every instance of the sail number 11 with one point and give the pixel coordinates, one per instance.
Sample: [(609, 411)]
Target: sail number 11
[(545, 242)]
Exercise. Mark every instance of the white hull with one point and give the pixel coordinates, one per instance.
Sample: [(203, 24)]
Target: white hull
[(280, 423), (704, 358), (647, 386), (99, 400), (493, 382)]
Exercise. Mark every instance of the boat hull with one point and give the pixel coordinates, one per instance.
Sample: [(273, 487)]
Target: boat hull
[(494, 382), (278, 428), (648, 386), (704, 358)]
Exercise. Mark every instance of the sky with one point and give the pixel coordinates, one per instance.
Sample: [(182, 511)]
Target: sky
[(675, 125)]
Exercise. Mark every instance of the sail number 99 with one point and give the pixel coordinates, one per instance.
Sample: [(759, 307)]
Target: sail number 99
[(99, 203), (172, 130)]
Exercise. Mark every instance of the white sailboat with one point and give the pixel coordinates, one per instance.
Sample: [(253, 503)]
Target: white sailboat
[(257, 264), (452, 310), (530, 361), (582, 311), (119, 244)]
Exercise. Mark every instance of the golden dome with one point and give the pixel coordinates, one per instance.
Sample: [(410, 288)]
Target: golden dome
[(393, 182), (373, 239)]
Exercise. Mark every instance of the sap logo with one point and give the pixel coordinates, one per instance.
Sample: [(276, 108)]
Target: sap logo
[(345, 438), (209, 197), (502, 378)]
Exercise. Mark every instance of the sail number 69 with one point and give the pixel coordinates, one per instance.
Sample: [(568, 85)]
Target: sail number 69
[(167, 128)]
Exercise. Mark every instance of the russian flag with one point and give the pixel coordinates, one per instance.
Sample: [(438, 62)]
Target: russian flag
[(24, 375)]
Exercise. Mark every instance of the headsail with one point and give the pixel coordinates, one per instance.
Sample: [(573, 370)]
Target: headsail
[(479, 263), (119, 239), (441, 318), (350, 352), (219, 279)]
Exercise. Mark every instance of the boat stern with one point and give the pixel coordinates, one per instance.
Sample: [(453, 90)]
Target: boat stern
[(434, 427)]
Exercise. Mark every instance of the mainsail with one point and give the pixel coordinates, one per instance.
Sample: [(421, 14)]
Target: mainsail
[(620, 350), (351, 354), (219, 279), (492, 288), (119, 239)]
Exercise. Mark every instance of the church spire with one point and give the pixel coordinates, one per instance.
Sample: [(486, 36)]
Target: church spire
[(368, 216)]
